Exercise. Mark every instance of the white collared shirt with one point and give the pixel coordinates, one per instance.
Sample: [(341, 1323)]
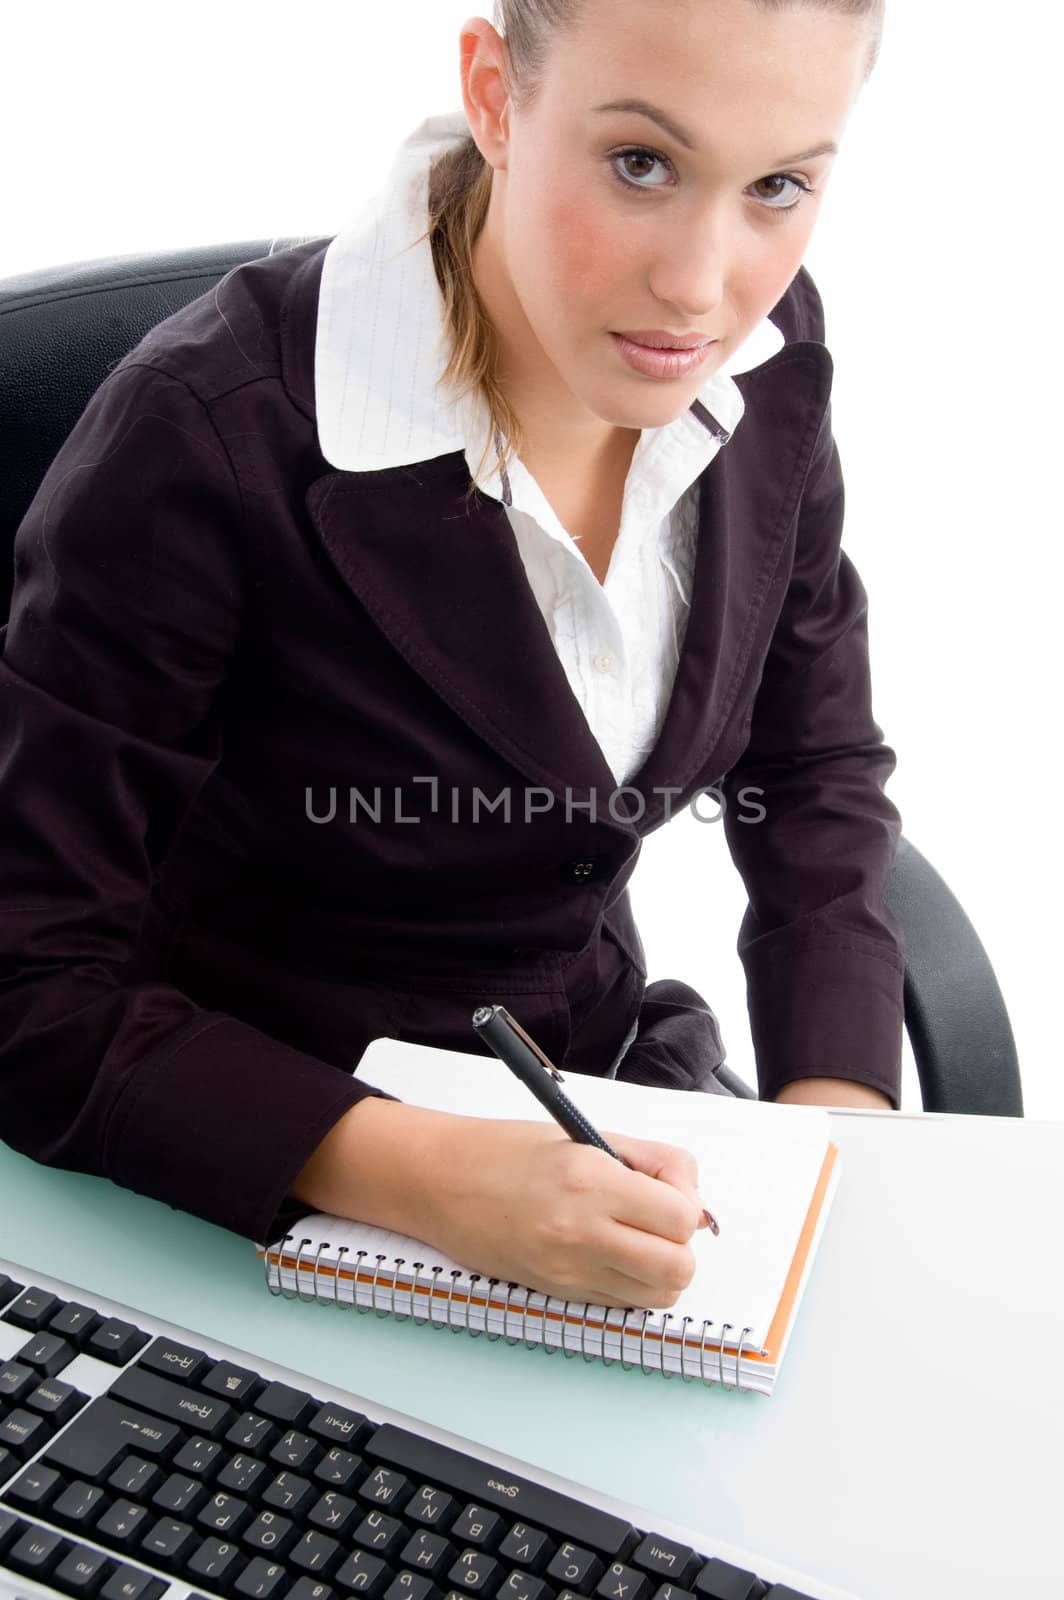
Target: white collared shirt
[(379, 354)]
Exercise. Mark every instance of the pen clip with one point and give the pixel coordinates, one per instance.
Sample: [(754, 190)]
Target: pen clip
[(516, 1027)]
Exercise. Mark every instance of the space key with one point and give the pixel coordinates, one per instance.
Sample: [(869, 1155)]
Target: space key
[(495, 1486), (91, 1444)]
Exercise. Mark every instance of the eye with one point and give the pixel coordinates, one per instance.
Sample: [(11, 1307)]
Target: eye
[(643, 154)]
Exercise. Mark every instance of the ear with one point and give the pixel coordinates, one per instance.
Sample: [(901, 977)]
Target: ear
[(487, 104)]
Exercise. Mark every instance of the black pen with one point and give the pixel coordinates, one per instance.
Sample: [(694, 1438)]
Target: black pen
[(524, 1057)]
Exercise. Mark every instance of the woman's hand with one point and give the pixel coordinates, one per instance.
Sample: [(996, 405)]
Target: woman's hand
[(516, 1200), (520, 1201)]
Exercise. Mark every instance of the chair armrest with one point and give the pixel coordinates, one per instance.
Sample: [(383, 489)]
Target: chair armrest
[(955, 1013)]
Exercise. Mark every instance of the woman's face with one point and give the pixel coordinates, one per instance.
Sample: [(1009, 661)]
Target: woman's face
[(605, 221)]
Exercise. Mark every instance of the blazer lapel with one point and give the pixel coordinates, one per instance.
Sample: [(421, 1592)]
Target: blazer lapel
[(447, 587), (747, 502)]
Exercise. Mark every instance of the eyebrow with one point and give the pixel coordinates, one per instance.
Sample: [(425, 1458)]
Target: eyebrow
[(644, 109)]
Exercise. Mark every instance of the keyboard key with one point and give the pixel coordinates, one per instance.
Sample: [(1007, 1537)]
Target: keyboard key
[(363, 1574), (23, 1433), (261, 1580), (340, 1469), (315, 1553), (16, 1381), (56, 1400), (36, 1552), (666, 1559), (621, 1582), (430, 1553), (297, 1451), (290, 1493), (783, 1591), (473, 1479), (32, 1309), (384, 1487), (522, 1586), (414, 1586), (8, 1289), (282, 1403), (10, 1528), (244, 1475), (335, 1513), (74, 1322), (203, 1412), (130, 1583), (200, 1457), (135, 1476), (215, 1564), (224, 1515), (91, 1445), (180, 1495), (270, 1533), (82, 1570), (253, 1434), (47, 1353), (720, 1580), (480, 1528), (382, 1534), (476, 1572), (337, 1425), (116, 1341), (34, 1487), (574, 1567), (123, 1525), (432, 1508), (237, 1384), (311, 1589), (78, 1505), (172, 1360), (527, 1548), (168, 1542)]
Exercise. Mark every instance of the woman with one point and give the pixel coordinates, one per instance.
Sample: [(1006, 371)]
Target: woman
[(322, 721)]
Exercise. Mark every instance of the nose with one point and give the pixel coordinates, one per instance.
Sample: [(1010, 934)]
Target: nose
[(691, 264)]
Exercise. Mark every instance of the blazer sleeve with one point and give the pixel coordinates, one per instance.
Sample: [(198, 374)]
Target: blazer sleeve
[(814, 835), (125, 617)]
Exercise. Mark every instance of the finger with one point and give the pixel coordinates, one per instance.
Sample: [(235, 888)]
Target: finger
[(668, 1163), (646, 1270), (665, 1168)]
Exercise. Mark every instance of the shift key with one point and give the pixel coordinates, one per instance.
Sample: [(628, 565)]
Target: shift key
[(99, 1437), (203, 1413)]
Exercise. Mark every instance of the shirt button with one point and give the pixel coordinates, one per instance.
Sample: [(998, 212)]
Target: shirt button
[(581, 869), (605, 661)]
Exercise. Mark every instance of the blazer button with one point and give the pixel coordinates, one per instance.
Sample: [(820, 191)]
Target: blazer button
[(582, 869)]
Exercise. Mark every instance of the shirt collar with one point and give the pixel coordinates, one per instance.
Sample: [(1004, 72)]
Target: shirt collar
[(380, 341)]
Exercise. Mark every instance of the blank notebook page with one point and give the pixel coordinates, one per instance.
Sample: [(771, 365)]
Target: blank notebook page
[(758, 1166)]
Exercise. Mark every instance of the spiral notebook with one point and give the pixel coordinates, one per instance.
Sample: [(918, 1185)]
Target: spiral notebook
[(767, 1172)]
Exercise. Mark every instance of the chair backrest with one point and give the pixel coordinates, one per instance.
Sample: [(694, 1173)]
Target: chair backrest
[(62, 330)]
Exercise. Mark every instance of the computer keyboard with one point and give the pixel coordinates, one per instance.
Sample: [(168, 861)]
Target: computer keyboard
[(139, 1461)]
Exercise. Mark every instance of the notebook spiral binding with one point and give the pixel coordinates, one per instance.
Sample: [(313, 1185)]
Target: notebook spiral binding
[(318, 1297)]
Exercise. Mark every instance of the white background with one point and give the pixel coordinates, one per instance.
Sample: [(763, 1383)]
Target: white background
[(135, 128)]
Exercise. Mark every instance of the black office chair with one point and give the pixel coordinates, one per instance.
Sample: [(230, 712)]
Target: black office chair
[(61, 331)]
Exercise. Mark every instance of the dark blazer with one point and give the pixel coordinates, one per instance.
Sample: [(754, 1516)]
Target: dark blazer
[(212, 630)]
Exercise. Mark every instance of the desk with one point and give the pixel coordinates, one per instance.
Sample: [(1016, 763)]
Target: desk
[(882, 1465)]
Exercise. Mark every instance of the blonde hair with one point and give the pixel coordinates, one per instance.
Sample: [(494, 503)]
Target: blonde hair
[(459, 190)]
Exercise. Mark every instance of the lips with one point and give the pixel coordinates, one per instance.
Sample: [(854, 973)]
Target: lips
[(667, 341)]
